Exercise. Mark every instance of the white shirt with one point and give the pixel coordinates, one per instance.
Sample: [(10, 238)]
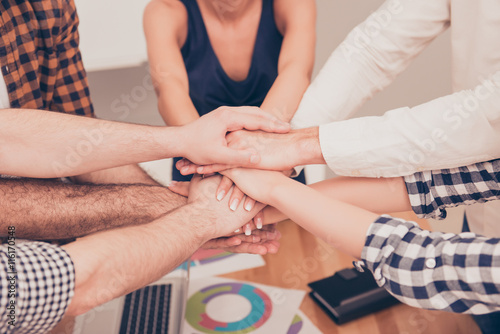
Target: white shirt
[(4, 94), (455, 130)]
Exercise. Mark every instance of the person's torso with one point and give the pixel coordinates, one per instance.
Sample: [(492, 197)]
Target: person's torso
[(209, 85)]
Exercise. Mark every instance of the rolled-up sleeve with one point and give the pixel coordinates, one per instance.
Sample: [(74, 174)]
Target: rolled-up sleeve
[(71, 92), (431, 192), (37, 282), (433, 270)]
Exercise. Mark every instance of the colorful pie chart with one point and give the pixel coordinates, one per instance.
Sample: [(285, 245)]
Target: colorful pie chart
[(261, 309)]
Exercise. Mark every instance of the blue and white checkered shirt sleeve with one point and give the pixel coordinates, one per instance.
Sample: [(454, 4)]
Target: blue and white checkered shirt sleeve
[(433, 270), (431, 192), (36, 286)]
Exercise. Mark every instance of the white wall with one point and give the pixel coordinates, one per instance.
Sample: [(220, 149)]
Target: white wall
[(111, 33)]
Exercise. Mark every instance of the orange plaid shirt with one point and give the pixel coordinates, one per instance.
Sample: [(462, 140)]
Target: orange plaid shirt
[(39, 56)]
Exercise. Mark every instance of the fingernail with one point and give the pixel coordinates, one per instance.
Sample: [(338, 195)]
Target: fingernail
[(184, 170), (199, 170), (220, 195), (258, 223), (234, 204), (254, 158), (172, 183), (237, 231), (248, 206), (248, 230)]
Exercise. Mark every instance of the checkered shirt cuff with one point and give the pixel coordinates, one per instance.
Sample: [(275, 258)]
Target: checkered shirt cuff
[(431, 192), (433, 270), (44, 279)]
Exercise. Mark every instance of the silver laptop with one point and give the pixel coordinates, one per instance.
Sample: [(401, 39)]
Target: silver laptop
[(156, 309)]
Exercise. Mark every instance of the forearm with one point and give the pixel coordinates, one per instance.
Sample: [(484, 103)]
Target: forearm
[(136, 260), (342, 225), (45, 144), (284, 96), (374, 195), (165, 28), (427, 193), (296, 20), (175, 105), (302, 147), (41, 209), (118, 175)]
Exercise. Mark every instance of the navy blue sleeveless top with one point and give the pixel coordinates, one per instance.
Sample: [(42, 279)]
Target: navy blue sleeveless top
[(209, 85)]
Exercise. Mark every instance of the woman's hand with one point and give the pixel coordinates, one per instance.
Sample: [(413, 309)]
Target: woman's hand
[(261, 242), (259, 184), (182, 188), (236, 196)]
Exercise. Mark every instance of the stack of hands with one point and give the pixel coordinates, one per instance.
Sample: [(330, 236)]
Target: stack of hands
[(254, 162)]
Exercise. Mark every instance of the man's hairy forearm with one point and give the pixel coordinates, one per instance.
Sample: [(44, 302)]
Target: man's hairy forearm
[(123, 174), (42, 209)]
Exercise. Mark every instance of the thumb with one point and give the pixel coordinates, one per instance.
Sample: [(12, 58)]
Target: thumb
[(180, 188), (239, 158)]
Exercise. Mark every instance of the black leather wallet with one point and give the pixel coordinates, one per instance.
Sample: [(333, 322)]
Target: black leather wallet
[(349, 294)]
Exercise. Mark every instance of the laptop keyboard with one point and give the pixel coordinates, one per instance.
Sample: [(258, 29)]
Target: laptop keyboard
[(147, 311)]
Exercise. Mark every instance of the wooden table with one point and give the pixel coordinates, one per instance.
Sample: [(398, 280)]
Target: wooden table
[(303, 258)]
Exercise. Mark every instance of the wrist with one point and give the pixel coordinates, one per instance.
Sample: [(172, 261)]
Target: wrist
[(202, 221), (307, 147), (171, 141), (271, 215), (277, 192)]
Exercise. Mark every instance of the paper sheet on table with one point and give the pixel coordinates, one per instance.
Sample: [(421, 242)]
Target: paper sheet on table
[(218, 305), (302, 325), (208, 262)]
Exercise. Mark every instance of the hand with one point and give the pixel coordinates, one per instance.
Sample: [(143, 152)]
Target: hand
[(276, 151), (221, 220), (182, 188), (236, 197), (261, 242), (204, 140)]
